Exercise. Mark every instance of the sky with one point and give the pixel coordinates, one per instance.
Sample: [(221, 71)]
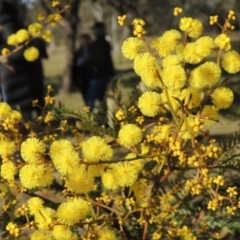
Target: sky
[(29, 3)]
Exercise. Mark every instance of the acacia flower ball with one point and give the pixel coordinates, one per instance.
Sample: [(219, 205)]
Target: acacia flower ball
[(61, 230), (131, 47), (129, 135), (41, 234), (231, 62), (45, 216), (162, 46), (32, 149), (223, 41), (125, 174), (192, 27), (35, 29), (149, 103), (22, 35), (207, 74), (150, 77), (172, 60), (5, 110), (47, 35), (67, 161), (72, 211), (12, 39), (143, 62), (210, 114), (35, 204), (32, 176), (8, 170), (109, 180), (205, 45), (7, 147), (107, 234), (191, 54), (59, 146), (31, 54), (95, 149), (174, 77), (5, 52), (222, 97), (80, 180)]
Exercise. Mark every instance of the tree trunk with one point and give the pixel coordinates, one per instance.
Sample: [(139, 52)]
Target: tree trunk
[(70, 26)]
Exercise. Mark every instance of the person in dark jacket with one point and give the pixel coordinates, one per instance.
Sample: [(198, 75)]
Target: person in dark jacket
[(101, 65), (80, 72), (22, 81)]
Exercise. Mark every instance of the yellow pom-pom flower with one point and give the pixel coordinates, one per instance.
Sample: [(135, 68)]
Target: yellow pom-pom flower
[(231, 62), (162, 46), (222, 97), (191, 96), (67, 161), (8, 171), (5, 52), (144, 61), (209, 114), (35, 29), (131, 47), (5, 110), (41, 234), (32, 176), (125, 174), (32, 150), (95, 149), (191, 54), (150, 77), (31, 54), (167, 42), (55, 3), (109, 180), (173, 36), (61, 230), (223, 41), (47, 35), (106, 234), (149, 103), (80, 180), (44, 217), (206, 74), (177, 11), (129, 135), (12, 39), (174, 77), (122, 19), (72, 211), (204, 46), (15, 116), (172, 60), (7, 147), (22, 35), (35, 204), (173, 94), (192, 27), (60, 146)]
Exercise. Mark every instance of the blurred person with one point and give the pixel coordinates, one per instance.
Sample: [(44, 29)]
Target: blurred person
[(22, 81), (80, 73), (100, 64)]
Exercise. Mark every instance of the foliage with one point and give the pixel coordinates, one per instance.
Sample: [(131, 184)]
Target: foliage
[(150, 170)]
